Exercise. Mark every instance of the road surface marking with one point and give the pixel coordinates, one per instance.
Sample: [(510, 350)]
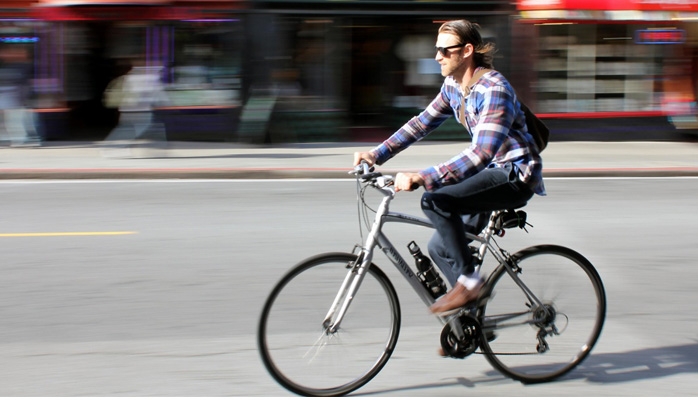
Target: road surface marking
[(44, 234)]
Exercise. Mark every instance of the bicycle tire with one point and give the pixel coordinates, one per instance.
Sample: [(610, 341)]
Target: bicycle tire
[(575, 304), (291, 325)]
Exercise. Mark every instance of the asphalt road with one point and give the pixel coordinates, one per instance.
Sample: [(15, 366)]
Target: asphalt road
[(154, 288)]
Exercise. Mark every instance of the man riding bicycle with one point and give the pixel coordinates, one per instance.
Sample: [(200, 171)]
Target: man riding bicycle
[(501, 168)]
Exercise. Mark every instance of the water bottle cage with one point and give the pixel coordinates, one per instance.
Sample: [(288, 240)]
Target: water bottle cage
[(424, 275), (435, 286)]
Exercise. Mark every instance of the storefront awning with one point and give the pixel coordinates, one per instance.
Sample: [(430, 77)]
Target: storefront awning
[(618, 5), (621, 10), (129, 10), (99, 2)]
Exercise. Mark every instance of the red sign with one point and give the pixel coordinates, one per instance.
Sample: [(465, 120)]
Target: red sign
[(114, 13), (97, 2), (609, 5), (660, 36), (138, 10)]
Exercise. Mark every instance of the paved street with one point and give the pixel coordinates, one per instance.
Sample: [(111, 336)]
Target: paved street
[(154, 287)]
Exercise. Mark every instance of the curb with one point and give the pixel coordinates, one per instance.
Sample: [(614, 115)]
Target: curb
[(294, 173)]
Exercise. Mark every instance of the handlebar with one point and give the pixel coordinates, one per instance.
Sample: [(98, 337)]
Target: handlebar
[(368, 174)]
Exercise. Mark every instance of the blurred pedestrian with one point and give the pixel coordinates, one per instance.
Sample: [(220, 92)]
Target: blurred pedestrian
[(135, 94), (16, 118), (500, 169)]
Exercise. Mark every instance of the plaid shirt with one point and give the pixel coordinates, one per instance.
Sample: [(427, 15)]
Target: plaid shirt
[(497, 126)]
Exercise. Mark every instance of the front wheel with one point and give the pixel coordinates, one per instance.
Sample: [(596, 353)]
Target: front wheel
[(295, 343), (539, 335)]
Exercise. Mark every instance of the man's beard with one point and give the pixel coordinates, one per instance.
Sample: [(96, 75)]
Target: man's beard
[(452, 68)]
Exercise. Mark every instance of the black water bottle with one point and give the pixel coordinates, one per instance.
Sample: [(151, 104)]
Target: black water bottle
[(428, 274)]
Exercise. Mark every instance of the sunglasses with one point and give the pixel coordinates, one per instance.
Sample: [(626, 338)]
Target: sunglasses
[(445, 50)]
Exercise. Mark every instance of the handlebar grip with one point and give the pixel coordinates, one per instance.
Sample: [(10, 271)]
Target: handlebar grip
[(414, 186)]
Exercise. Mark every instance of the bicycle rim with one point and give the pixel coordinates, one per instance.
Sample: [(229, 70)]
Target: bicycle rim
[(296, 349), (571, 318)]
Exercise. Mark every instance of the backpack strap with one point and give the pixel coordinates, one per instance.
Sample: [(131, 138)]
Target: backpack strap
[(476, 77), (536, 127)]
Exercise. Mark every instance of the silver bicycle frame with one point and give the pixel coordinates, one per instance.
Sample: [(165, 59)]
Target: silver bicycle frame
[(376, 237)]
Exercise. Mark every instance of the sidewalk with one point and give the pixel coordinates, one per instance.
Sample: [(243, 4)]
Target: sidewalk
[(188, 160)]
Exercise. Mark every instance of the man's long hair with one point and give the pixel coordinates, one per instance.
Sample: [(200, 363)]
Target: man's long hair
[(468, 32)]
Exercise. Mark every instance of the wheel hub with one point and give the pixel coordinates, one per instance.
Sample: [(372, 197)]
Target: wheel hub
[(544, 315)]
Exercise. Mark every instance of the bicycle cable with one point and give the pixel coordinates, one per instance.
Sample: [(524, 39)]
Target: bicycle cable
[(359, 199), (362, 207), (366, 208)]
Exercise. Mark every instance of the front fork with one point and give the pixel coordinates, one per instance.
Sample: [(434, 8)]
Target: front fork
[(357, 271)]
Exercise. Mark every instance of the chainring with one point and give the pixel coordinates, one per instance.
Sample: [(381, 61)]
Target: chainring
[(471, 338)]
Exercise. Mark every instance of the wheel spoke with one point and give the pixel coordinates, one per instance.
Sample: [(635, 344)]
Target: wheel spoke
[(316, 348), (334, 363), (564, 324)]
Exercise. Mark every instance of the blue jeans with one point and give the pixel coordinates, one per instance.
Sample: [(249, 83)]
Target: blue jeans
[(466, 206)]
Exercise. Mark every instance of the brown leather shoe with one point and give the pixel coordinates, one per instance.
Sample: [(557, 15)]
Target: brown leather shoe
[(456, 298)]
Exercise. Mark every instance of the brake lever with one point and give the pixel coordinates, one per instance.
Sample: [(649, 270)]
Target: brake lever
[(362, 169), (370, 176)]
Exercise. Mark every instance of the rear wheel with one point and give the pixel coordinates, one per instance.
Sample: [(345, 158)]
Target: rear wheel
[(538, 342), (295, 343)]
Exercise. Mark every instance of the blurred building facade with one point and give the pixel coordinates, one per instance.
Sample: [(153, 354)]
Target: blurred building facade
[(79, 47), (322, 70), (356, 69), (618, 57)]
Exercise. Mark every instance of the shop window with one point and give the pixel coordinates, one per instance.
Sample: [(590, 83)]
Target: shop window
[(599, 68), (204, 64)]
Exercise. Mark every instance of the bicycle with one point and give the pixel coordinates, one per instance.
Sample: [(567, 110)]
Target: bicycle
[(332, 321)]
